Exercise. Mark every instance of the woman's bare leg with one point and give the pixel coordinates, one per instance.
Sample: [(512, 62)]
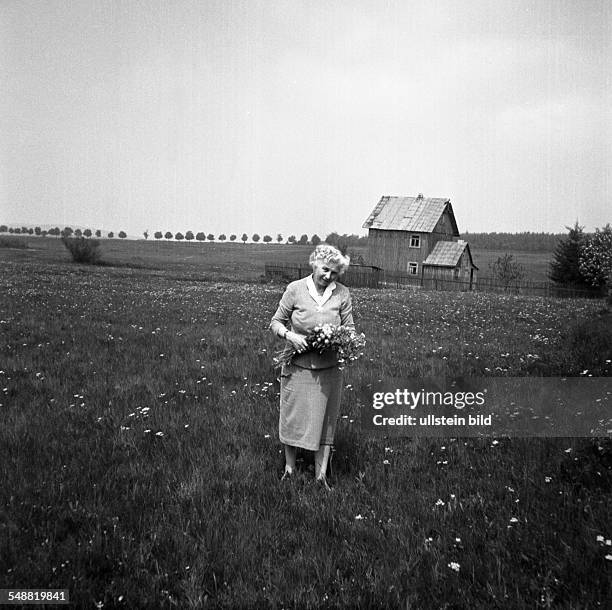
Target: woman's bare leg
[(290, 457), (321, 461)]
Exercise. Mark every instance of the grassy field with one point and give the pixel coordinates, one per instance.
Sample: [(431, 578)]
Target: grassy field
[(140, 459), (229, 260)]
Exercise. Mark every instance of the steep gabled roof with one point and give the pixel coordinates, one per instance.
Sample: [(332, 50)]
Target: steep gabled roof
[(447, 254), (420, 214)]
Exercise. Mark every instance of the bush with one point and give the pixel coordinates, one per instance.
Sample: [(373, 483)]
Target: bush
[(83, 250)]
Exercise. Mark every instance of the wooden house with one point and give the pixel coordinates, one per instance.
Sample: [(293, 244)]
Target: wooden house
[(404, 233), (449, 266)]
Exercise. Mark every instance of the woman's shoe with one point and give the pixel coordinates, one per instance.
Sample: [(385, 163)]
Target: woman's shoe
[(322, 482), (288, 474)]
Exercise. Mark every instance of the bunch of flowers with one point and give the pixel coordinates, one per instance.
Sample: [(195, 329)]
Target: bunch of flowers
[(343, 340)]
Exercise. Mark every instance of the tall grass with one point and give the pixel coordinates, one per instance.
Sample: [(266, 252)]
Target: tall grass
[(140, 460)]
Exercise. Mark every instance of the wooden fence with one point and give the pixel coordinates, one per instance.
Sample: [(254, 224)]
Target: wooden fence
[(363, 276)]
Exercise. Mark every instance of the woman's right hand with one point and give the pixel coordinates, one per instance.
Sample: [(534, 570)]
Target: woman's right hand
[(298, 341)]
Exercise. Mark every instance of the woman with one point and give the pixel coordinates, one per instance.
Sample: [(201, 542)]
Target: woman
[(311, 386)]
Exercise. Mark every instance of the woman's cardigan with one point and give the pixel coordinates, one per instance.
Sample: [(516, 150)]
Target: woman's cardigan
[(299, 308)]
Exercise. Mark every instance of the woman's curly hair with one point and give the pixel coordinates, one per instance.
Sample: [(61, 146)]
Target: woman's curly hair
[(325, 253)]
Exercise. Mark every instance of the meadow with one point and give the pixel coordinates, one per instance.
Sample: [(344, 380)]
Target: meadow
[(226, 260), (140, 459)]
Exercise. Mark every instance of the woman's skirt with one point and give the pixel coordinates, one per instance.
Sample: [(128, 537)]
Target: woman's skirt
[(309, 406)]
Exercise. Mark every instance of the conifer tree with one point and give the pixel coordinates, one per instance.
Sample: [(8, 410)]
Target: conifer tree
[(565, 266)]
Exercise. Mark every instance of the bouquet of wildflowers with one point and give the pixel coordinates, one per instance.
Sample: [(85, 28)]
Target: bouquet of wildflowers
[(343, 340)]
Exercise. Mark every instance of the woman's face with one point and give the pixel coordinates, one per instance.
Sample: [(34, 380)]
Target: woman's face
[(324, 274)]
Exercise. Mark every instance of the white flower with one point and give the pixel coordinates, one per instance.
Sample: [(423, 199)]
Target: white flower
[(439, 502), (547, 479), (600, 538), (514, 520), (358, 518), (453, 565)]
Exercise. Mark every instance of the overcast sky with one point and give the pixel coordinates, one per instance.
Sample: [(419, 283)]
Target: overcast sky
[(295, 117)]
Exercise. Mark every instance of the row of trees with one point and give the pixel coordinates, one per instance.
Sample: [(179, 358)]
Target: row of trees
[(189, 236), (583, 260), (57, 232)]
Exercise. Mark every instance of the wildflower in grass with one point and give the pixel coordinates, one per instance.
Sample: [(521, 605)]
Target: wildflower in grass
[(547, 479), (343, 340), (453, 565), (358, 518), (600, 538), (439, 502), (513, 520), (386, 462)]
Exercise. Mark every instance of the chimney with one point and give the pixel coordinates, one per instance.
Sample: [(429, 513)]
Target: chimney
[(420, 196)]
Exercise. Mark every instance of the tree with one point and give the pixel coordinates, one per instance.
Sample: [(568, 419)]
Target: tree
[(67, 232), (11, 230), (44, 233), (37, 230), (222, 237), (507, 271), (158, 235), (122, 235), (232, 237), (111, 235), (78, 233), (146, 233), (315, 240), (244, 238), (255, 237), (291, 239), (87, 232), (189, 236), (201, 236), (168, 235), (179, 236), (565, 266), (30, 231), (303, 240), (267, 239), (279, 238), (3, 228), (210, 237), (596, 258), (98, 233)]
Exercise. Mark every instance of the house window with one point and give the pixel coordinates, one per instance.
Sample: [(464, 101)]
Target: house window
[(413, 268), (456, 273), (415, 241)]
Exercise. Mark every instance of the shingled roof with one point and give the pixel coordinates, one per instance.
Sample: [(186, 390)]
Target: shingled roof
[(419, 214), (447, 254)]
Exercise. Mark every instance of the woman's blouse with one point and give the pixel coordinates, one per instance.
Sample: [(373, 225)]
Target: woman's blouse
[(303, 309)]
